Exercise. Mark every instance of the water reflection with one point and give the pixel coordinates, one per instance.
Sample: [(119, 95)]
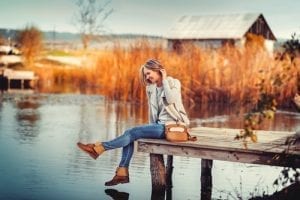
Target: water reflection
[(232, 117), (40, 160), (27, 114), (116, 195), (1, 102)]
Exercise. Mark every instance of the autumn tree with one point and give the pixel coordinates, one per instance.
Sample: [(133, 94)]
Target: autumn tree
[(30, 41), (292, 46), (90, 18)]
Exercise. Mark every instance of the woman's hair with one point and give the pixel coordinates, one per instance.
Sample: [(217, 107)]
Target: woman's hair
[(151, 64)]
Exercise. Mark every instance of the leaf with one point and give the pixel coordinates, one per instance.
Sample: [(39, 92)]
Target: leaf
[(254, 138), (245, 144)]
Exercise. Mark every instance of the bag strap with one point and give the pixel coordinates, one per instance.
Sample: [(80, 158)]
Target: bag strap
[(172, 111), (191, 138), (169, 126)]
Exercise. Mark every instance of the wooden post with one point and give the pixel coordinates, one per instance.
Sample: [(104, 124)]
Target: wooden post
[(169, 183), (158, 176), (22, 83), (169, 170), (206, 179)]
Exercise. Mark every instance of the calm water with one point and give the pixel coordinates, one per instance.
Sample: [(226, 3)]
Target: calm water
[(40, 160)]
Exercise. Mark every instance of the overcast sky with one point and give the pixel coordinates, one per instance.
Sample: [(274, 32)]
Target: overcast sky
[(152, 17)]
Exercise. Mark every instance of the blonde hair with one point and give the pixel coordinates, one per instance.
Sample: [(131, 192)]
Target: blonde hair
[(151, 64)]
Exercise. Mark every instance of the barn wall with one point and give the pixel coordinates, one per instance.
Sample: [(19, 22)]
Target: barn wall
[(260, 27), (177, 44)]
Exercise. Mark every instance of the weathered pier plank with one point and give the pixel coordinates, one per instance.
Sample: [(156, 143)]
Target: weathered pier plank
[(219, 144), (22, 76)]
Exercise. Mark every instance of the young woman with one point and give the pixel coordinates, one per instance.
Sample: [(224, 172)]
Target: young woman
[(162, 91)]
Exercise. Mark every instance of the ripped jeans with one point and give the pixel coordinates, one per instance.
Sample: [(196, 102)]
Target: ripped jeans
[(153, 131)]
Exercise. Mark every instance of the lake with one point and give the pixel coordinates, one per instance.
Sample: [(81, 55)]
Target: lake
[(40, 159)]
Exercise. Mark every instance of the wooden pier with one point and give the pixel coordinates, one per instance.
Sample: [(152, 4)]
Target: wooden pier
[(10, 75), (271, 148)]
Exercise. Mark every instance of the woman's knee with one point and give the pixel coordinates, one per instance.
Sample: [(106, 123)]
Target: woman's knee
[(133, 133), (129, 134)]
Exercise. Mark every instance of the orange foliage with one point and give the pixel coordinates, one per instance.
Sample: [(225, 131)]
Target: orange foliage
[(225, 75)]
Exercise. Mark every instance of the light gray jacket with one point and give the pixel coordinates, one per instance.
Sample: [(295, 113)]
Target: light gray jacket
[(171, 95)]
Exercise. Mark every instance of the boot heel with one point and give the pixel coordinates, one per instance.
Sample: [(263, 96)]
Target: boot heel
[(121, 177)]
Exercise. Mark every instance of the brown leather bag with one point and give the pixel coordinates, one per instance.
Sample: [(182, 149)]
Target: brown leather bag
[(177, 132)]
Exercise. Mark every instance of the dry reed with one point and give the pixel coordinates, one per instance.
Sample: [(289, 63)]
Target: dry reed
[(226, 75)]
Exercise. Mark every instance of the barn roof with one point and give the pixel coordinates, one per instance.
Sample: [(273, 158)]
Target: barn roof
[(226, 26)]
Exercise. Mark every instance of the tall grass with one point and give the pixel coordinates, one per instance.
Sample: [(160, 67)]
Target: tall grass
[(226, 75)]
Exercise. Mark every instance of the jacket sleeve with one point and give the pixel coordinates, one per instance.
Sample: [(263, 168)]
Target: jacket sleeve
[(172, 88)]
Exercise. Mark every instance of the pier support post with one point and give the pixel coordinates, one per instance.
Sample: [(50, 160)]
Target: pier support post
[(169, 177), (158, 176), (22, 83), (206, 179), (158, 171)]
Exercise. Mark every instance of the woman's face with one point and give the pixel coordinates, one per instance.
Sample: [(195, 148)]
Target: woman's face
[(152, 76)]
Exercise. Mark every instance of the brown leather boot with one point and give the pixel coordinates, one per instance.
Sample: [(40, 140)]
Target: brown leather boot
[(94, 150), (122, 176)]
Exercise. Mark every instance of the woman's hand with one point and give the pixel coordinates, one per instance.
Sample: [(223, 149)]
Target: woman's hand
[(163, 73)]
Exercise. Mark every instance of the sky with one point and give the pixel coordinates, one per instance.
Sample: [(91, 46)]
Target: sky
[(150, 17)]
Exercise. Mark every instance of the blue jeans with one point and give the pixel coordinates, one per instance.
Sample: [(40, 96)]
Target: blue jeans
[(153, 131)]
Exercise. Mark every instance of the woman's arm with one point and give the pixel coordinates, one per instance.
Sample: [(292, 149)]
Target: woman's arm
[(172, 88)]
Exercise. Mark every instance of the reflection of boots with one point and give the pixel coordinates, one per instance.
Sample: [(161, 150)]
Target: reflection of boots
[(116, 195), (94, 150), (122, 176)]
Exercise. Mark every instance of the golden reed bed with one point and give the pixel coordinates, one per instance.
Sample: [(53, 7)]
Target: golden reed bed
[(225, 75)]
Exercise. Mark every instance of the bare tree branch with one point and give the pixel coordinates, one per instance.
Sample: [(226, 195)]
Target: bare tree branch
[(90, 19)]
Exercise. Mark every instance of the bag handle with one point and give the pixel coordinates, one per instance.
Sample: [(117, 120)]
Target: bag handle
[(176, 125)]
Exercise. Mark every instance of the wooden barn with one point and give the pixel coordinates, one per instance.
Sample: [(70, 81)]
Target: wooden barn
[(217, 30)]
